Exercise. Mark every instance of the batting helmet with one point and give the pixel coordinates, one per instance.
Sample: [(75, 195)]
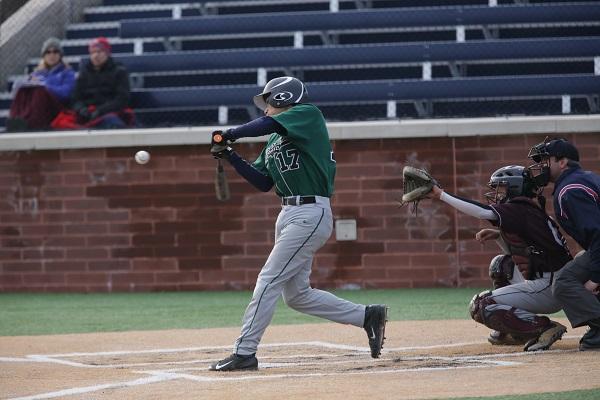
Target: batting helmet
[(510, 181), (281, 92)]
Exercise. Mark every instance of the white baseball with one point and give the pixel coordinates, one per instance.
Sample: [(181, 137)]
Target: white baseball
[(142, 157)]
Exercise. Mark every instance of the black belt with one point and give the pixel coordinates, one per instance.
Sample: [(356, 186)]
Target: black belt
[(298, 200)]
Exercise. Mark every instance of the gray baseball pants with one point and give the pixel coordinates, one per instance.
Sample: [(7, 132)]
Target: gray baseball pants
[(580, 305), (299, 232), (528, 297)]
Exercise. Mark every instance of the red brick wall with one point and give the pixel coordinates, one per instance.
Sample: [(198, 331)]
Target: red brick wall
[(93, 220)]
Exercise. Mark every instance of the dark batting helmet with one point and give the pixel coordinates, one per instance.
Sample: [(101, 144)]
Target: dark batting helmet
[(281, 92), (509, 182)]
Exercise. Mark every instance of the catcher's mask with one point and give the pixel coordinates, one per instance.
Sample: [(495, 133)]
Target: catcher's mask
[(541, 155), (282, 92), (509, 182)]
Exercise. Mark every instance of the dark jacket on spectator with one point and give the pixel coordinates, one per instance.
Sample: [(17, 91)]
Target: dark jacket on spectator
[(106, 88)]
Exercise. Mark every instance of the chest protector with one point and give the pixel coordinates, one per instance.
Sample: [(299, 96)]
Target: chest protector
[(538, 259)]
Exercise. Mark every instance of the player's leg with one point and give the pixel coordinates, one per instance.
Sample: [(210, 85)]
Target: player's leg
[(298, 294), (504, 272), (533, 296), (299, 233), (512, 309), (581, 306)]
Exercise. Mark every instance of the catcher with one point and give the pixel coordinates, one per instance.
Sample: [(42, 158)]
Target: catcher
[(530, 241)]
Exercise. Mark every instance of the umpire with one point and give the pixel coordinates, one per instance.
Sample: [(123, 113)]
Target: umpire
[(577, 209)]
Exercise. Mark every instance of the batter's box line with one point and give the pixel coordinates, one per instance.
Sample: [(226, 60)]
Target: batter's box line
[(157, 376), (217, 377), (58, 358), (369, 361), (200, 348), (154, 378), (186, 362)]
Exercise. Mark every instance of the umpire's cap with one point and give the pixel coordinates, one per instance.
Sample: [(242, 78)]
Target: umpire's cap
[(559, 148), (282, 92)]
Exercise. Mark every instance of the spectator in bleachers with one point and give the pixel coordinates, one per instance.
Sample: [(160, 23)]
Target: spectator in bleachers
[(45, 92), (101, 95)]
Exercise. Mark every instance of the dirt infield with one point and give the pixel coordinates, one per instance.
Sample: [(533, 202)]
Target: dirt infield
[(421, 360)]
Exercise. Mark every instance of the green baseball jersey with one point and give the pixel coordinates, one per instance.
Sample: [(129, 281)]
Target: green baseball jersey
[(301, 162)]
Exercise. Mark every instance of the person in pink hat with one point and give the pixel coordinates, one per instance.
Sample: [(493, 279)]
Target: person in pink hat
[(101, 95)]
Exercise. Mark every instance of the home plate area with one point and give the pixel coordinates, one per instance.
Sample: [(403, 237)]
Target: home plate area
[(132, 373), (279, 360)]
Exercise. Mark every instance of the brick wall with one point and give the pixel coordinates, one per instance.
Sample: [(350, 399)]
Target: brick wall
[(93, 220)]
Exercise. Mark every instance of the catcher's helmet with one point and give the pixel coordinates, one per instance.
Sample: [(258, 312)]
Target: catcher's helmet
[(501, 270), (558, 148), (509, 182), (541, 154), (281, 92)]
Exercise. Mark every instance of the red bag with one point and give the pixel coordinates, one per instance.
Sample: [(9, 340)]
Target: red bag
[(67, 119)]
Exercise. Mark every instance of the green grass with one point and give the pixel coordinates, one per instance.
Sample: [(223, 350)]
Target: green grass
[(42, 314), (592, 394)]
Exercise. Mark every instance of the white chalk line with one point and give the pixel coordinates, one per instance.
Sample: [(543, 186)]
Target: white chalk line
[(188, 349), (261, 346), (369, 361), (172, 374), (221, 377), (54, 358), (154, 378), (38, 358)]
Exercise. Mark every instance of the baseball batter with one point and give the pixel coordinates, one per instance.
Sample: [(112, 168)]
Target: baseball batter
[(534, 250), (299, 162)]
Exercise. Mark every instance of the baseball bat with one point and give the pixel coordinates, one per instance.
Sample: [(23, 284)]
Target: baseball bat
[(221, 184)]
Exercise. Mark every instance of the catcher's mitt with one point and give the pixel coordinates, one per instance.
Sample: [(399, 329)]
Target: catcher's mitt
[(417, 183)]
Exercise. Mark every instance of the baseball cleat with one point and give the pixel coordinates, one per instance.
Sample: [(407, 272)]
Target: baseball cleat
[(543, 342), (375, 319), (236, 362), (590, 340)]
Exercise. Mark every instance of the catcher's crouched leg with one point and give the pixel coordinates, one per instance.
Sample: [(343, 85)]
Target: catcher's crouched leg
[(508, 328)]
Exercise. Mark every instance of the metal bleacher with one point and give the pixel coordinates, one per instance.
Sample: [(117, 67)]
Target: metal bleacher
[(201, 62)]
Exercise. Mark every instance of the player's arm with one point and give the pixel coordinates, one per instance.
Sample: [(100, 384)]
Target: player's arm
[(466, 206), (256, 178), (258, 127), (581, 208)]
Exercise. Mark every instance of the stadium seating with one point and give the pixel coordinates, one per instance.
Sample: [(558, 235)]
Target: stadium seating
[(201, 62), (359, 19)]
